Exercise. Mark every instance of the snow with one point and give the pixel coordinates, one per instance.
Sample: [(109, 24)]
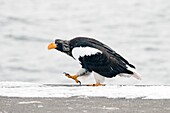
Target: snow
[(22, 89), (30, 102)]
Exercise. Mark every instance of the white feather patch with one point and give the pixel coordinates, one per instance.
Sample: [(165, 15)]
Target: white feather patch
[(83, 72), (99, 79), (82, 51), (135, 73)]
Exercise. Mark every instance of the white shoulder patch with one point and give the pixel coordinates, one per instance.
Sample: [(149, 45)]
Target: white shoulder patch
[(82, 51)]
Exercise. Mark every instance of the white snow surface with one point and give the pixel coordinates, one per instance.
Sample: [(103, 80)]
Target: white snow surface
[(30, 102), (22, 89)]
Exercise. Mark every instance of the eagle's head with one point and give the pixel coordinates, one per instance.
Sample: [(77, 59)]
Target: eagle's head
[(60, 45)]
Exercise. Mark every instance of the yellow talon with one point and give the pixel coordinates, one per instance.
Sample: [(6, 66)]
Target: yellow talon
[(74, 77)]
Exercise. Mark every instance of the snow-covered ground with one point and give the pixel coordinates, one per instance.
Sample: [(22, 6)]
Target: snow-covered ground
[(23, 89)]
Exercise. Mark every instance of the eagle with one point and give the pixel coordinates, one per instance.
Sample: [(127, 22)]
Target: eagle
[(95, 57)]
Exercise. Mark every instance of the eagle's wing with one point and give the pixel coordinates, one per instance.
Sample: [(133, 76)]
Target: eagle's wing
[(107, 50), (100, 63), (90, 42), (106, 62)]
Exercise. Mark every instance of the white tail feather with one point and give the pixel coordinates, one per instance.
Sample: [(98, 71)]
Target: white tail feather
[(135, 73)]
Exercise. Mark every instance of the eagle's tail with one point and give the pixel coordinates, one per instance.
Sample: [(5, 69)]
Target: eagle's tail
[(135, 73)]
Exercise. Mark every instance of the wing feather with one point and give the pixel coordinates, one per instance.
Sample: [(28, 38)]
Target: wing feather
[(90, 42), (100, 63)]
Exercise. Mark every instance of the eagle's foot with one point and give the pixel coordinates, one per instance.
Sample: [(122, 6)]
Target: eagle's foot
[(74, 77), (97, 84)]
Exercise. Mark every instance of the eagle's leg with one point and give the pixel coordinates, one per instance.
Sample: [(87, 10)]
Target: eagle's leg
[(82, 72), (99, 80)]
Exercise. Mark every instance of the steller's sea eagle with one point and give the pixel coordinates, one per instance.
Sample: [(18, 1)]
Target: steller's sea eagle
[(96, 57)]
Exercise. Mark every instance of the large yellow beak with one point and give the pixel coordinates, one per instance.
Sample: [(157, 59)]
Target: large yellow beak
[(52, 46)]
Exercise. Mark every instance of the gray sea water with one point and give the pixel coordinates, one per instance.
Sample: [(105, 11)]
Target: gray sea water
[(137, 29)]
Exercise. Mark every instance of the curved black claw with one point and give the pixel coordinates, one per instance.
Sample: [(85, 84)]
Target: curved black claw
[(65, 73), (79, 83)]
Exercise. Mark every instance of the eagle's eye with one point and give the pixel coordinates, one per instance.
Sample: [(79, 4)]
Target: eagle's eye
[(66, 47)]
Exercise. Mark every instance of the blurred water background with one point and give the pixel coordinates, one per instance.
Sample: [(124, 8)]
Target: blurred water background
[(138, 29)]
